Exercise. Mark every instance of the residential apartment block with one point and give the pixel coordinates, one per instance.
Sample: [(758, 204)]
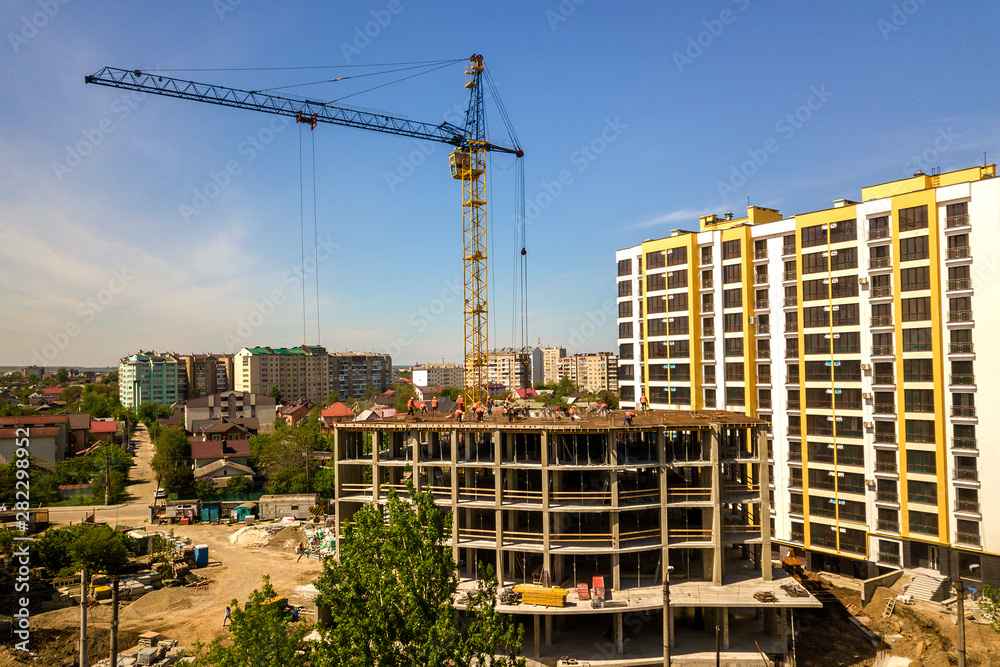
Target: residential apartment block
[(201, 375), (590, 372), (298, 372), (356, 375), (510, 368), (545, 364), (148, 378), (858, 332), (438, 375)]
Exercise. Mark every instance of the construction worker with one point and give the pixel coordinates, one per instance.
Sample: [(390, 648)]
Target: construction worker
[(572, 413), (434, 404), (228, 618), (602, 410), (627, 418), (409, 406), (489, 406), (459, 412), (460, 403), (643, 403)]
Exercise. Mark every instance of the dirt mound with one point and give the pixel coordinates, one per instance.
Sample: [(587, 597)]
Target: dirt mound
[(287, 537), (250, 536), (156, 603), (876, 607)]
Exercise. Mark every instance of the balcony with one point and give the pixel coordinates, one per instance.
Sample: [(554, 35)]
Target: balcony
[(764, 404), (884, 409), (884, 292), (706, 260), (762, 328), (885, 438), (887, 527), (887, 497), (959, 252), (968, 474), (760, 279), (794, 405), (789, 275), (794, 432), (761, 304), (960, 348), (879, 263), (791, 327), (953, 221), (764, 378), (707, 283), (791, 301), (764, 353), (791, 353), (707, 332), (962, 379), (708, 355), (886, 380), (887, 467), (882, 350), (787, 250), (795, 508), (795, 454), (959, 316), (882, 321), (959, 284), (964, 443), (963, 411), (968, 506), (968, 538), (879, 233)]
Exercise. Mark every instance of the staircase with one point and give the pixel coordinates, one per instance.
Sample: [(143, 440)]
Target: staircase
[(928, 585)]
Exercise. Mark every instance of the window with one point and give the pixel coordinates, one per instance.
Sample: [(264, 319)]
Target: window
[(920, 430), (923, 522), (918, 370), (845, 258), (677, 326), (878, 228), (917, 277), (708, 349), (913, 248), (735, 396), (788, 244), (845, 230), (624, 267), (912, 218), (734, 372), (627, 392), (707, 303), (625, 309), (733, 322), (656, 304), (917, 340), (820, 479), (845, 286), (625, 351), (677, 302), (655, 281), (814, 290), (709, 373), (706, 255), (680, 348), (919, 400), (814, 263), (955, 210), (732, 298), (657, 327), (732, 273), (706, 278), (731, 249), (624, 329), (760, 249), (677, 279), (816, 316), (917, 309), (734, 347), (710, 394), (626, 372), (918, 460), (813, 236), (676, 256), (655, 260), (625, 288)]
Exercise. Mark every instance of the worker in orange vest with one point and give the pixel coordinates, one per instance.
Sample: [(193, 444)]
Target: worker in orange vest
[(409, 406), (642, 403), (434, 404), (627, 418)]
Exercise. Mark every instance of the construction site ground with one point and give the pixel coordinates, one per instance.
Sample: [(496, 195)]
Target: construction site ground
[(187, 614)]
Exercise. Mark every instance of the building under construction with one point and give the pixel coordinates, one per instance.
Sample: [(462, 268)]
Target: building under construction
[(589, 510)]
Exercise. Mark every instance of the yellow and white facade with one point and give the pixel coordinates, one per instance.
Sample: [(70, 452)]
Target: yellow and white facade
[(862, 333)]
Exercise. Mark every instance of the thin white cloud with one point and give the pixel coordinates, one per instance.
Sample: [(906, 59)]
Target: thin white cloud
[(681, 215)]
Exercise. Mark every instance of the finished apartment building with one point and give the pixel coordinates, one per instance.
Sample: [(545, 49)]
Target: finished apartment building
[(148, 378), (201, 375), (298, 372), (858, 332), (438, 375), (590, 372), (357, 375), (545, 364), (509, 368)]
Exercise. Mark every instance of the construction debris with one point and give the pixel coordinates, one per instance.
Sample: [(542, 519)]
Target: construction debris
[(765, 596), (542, 596), (793, 591)]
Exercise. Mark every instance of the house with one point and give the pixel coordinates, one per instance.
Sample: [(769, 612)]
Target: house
[(79, 432), (377, 413), (103, 430), (221, 471), (296, 412), (426, 393), (204, 452), (294, 505), (526, 392), (385, 398), (338, 412), (232, 405), (53, 392), (219, 429), (47, 437)]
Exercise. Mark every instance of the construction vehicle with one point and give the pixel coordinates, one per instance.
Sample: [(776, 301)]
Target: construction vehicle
[(468, 164)]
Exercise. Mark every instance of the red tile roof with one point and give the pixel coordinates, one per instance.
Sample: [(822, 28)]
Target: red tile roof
[(34, 431), (338, 409), (103, 426), (53, 391), (213, 449), (34, 420)]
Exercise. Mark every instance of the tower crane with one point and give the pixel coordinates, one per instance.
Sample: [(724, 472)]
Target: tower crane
[(467, 162)]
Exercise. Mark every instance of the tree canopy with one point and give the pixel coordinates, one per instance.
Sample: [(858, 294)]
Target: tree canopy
[(98, 548), (391, 595)]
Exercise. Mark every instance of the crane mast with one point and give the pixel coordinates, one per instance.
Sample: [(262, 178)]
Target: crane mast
[(467, 162)]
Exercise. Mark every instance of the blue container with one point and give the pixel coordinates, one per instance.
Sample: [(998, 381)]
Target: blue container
[(201, 555)]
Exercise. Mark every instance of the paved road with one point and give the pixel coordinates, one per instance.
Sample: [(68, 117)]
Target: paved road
[(135, 510)]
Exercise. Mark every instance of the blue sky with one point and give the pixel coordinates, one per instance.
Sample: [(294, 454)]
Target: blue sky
[(651, 114)]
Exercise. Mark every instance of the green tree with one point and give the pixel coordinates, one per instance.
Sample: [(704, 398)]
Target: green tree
[(404, 392), (332, 397), (608, 397), (324, 482), (275, 393), (171, 461), (62, 375), (110, 378), (565, 387), (238, 485), (989, 604), (282, 456), (260, 637), (391, 595), (98, 548), (8, 483)]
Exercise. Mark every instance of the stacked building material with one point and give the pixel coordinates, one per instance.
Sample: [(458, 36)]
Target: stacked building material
[(542, 596)]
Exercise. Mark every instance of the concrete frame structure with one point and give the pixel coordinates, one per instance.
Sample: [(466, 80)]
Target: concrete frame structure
[(541, 499), (860, 331)]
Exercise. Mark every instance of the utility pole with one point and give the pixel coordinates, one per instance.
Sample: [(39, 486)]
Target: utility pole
[(107, 476), (718, 647), (666, 614), (83, 617), (960, 591), (114, 620)]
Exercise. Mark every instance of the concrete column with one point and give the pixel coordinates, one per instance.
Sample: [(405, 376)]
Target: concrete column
[(548, 630), (619, 635), (616, 574), (716, 505), (783, 629), (376, 473), (546, 516), (337, 486), (538, 635), (454, 494), (765, 505), (725, 627), (414, 444)]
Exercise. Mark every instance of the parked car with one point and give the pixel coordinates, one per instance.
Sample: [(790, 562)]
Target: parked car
[(160, 493)]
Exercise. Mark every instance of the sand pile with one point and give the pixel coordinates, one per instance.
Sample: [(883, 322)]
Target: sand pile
[(156, 603), (250, 536), (288, 537)]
